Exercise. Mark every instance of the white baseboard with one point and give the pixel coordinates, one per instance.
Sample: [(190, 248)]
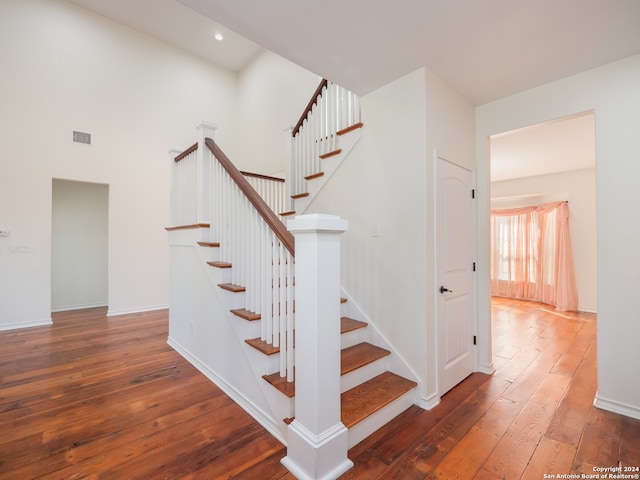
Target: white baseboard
[(258, 415), (427, 403), (587, 309), (614, 406), (129, 311), (68, 308), (35, 323), (488, 369)]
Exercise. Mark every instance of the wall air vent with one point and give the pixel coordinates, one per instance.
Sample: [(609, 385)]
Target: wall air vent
[(82, 137)]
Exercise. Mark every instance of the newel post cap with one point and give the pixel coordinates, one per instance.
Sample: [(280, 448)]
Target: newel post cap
[(317, 222)]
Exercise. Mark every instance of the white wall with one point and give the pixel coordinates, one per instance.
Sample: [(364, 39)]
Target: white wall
[(272, 94), (612, 92), (79, 245), (385, 185), (381, 186), (65, 69), (579, 188), (450, 134)]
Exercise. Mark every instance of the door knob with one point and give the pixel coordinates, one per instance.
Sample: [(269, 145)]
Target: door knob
[(444, 289)]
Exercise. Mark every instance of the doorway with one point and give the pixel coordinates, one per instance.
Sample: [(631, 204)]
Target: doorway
[(550, 162), (79, 245)]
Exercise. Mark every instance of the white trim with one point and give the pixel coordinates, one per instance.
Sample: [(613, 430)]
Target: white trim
[(128, 311), (35, 323), (258, 415), (614, 406), (488, 369), (309, 456), (587, 309), (427, 403), (68, 308), (302, 475)]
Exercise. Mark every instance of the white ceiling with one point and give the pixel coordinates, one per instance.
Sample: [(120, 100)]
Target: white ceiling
[(560, 145), (178, 25), (485, 49)]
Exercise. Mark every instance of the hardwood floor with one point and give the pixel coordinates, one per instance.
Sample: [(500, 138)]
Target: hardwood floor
[(96, 397), (93, 397)]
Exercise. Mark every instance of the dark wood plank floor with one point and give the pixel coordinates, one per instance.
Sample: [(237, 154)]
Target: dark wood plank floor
[(93, 397)]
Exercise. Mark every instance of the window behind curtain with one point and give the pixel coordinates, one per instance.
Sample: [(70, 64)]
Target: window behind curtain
[(531, 255)]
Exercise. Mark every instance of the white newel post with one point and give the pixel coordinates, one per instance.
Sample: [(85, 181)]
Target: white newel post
[(317, 441), (203, 198)]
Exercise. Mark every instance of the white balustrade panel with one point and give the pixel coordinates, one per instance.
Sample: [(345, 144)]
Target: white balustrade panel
[(259, 261), (335, 109), (271, 190), (184, 191)]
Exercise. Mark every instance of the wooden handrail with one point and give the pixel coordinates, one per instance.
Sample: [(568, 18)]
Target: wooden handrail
[(312, 102), (263, 177), (276, 225), (189, 150)]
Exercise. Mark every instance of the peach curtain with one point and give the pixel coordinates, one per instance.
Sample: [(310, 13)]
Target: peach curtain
[(531, 255)]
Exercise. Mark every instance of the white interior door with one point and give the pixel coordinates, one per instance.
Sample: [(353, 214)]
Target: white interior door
[(455, 294)]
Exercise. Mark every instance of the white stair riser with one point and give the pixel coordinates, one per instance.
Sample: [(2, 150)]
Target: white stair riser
[(246, 329), (362, 374), (210, 254), (366, 427), (265, 364), (354, 337)]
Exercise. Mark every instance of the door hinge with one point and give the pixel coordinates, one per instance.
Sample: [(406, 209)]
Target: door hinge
[(473, 193), (474, 340), (474, 266)]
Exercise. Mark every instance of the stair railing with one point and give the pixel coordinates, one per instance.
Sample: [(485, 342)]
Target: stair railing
[(271, 189), (331, 111), (184, 181), (260, 249)]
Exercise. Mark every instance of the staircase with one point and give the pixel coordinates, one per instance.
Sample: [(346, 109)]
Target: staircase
[(241, 335), (371, 395)]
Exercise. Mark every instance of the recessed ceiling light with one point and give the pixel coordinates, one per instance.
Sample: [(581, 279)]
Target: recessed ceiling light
[(218, 36)]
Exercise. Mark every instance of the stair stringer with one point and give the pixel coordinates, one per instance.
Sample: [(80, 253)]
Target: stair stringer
[(393, 363), (261, 364), (201, 326), (346, 142)]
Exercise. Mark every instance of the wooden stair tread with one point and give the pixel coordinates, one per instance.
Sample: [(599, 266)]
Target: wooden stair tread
[(359, 355), (232, 287), (351, 359), (346, 325), (349, 324), (286, 214), (315, 175), (300, 195), (262, 346), (369, 397), (187, 227), (209, 244), (350, 128), (219, 264), (246, 314), (288, 388), (331, 154)]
